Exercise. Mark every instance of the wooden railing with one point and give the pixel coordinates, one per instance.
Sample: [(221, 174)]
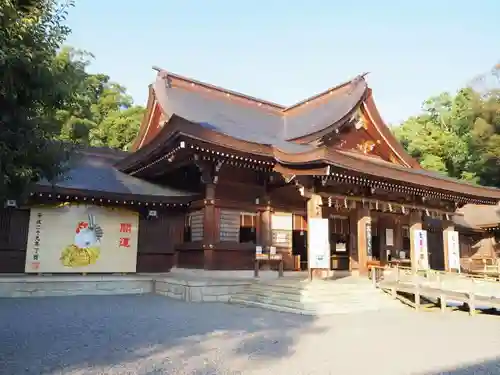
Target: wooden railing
[(485, 266), (421, 289), (488, 273)]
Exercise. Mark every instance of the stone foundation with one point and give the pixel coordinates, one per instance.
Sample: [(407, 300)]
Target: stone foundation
[(232, 275), (186, 287), (47, 286), (182, 284), (199, 290)]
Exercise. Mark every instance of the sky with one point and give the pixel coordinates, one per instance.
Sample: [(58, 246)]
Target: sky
[(286, 51)]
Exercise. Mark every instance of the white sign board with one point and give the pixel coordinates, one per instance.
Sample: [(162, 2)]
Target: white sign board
[(318, 243), (421, 250), (389, 237), (453, 250), (282, 221), (81, 238)]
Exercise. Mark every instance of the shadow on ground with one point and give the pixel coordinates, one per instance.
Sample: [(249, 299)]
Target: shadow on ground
[(488, 367), (138, 335)]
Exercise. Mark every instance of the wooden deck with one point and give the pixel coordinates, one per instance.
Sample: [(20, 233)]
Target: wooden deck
[(435, 289)]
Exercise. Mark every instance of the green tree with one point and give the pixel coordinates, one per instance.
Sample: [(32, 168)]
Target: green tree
[(119, 128), (457, 135), (33, 88), (100, 112)]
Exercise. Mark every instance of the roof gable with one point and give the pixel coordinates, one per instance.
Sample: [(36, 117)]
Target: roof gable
[(343, 117), (247, 118)]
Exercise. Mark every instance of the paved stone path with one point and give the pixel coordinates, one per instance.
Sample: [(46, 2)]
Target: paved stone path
[(150, 335)]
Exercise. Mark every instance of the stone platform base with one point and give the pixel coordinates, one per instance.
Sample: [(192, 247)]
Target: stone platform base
[(188, 285), (199, 290), (71, 285), (182, 284), (233, 275)]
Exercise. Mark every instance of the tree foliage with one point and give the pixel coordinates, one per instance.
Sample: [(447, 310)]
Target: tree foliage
[(457, 135), (32, 89), (47, 96), (101, 113)]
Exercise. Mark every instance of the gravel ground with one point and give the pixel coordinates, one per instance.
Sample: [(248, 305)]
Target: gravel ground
[(152, 335)]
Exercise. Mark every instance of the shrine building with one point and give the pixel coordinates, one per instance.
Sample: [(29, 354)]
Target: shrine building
[(263, 169), (215, 174)]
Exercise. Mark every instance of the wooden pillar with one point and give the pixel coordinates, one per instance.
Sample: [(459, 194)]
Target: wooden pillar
[(363, 221), (398, 237), (209, 226), (381, 225), (447, 227), (314, 210), (209, 176), (353, 245), (415, 224)]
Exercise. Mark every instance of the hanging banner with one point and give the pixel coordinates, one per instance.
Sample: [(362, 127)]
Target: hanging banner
[(368, 234), (81, 238), (318, 243), (453, 250), (421, 250)]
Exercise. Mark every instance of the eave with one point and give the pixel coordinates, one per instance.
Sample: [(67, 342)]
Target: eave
[(408, 179), (184, 134), (179, 134), (101, 197)]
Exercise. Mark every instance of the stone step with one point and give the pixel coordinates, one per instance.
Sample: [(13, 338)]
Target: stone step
[(309, 309), (377, 301), (372, 295), (312, 295), (269, 306), (315, 285), (331, 289), (323, 297)]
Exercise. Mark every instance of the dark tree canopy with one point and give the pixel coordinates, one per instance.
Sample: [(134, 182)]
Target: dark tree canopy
[(32, 89), (48, 97)]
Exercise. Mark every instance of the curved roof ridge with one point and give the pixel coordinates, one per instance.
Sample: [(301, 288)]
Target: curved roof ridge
[(165, 74), (373, 114), (360, 77)]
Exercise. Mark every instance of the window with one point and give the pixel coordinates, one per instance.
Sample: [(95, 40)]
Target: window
[(193, 226), (187, 228), (248, 228), (5, 227), (282, 229), (406, 231), (238, 226), (406, 237)]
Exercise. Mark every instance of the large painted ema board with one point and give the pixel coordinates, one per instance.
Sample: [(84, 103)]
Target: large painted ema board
[(73, 238)]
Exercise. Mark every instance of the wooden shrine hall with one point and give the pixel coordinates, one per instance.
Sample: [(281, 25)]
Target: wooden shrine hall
[(262, 171)]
